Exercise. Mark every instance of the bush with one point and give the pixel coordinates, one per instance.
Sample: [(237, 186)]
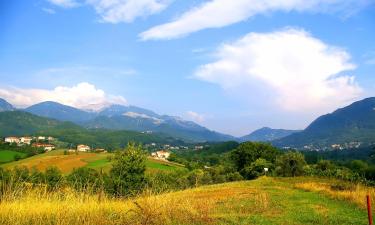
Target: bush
[(53, 178), (85, 179)]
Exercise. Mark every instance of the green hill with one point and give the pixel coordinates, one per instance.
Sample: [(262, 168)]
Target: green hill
[(353, 123), (17, 123)]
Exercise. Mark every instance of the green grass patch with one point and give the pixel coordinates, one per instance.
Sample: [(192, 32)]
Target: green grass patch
[(8, 156), (155, 165)]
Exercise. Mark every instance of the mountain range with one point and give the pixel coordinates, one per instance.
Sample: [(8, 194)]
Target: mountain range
[(353, 123), (120, 117)]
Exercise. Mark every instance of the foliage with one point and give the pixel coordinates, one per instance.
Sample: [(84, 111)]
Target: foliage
[(128, 171), (250, 158), (290, 164)]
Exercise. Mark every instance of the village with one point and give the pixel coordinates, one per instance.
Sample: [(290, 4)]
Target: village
[(47, 144)]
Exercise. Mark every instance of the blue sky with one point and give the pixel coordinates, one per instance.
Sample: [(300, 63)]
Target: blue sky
[(233, 66)]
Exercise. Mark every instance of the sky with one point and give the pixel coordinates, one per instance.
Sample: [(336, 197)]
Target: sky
[(232, 66)]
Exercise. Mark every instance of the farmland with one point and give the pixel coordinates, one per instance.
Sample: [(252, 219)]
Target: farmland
[(66, 163), (262, 201)]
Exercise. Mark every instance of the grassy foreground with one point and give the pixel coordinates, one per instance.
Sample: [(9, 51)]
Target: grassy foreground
[(262, 201)]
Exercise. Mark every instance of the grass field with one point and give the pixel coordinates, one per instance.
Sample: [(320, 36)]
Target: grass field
[(262, 201), (8, 156), (66, 163)]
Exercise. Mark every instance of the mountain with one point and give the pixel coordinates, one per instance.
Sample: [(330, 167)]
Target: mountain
[(60, 112), (267, 134), (18, 123), (120, 117), (353, 123), (5, 106)]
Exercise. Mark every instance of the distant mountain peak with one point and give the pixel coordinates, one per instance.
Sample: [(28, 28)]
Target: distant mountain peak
[(267, 134), (5, 106)]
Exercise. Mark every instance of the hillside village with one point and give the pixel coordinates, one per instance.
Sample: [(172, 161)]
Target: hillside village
[(46, 143)]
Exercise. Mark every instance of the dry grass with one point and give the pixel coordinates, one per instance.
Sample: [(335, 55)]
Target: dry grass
[(263, 201), (341, 190), (67, 207)]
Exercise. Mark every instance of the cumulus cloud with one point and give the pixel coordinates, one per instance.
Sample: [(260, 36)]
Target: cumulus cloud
[(194, 116), (83, 95), (297, 71), (220, 13), (117, 11)]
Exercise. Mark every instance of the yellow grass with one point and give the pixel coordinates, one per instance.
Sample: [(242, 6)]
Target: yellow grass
[(354, 193), (262, 201)]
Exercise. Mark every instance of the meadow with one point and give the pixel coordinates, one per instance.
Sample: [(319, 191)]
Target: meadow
[(8, 155), (66, 163), (262, 201)]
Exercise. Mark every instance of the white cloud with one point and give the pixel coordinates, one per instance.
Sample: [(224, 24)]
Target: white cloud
[(298, 72), (196, 117), (49, 11), (64, 3), (118, 11), (220, 13), (82, 95)]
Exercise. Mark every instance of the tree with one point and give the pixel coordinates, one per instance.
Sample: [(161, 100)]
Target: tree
[(248, 152), (255, 169), (128, 171), (290, 164), (324, 165)]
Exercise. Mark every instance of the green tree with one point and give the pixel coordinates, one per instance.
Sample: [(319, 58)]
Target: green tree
[(255, 169), (290, 164), (248, 152), (128, 171), (325, 165)]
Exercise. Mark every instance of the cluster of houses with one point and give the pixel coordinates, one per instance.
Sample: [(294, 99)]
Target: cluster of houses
[(161, 155), (38, 142)]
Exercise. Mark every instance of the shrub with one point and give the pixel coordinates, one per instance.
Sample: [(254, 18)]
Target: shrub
[(53, 178)]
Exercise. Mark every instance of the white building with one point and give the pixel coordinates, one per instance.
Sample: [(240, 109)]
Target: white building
[(41, 138), (12, 140), (83, 148), (161, 154), (26, 140)]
